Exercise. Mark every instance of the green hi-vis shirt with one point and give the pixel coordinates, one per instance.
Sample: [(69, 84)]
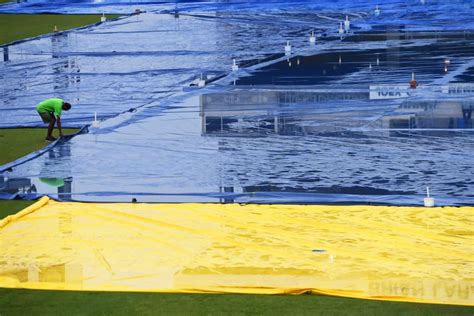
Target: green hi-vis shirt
[(54, 105)]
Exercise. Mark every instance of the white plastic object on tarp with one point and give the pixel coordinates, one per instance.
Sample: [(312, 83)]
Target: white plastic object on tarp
[(347, 24), (428, 201), (377, 10), (287, 48), (201, 82), (341, 29), (312, 38), (95, 123), (235, 67)]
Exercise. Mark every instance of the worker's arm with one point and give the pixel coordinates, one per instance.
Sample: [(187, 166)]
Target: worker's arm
[(58, 120)]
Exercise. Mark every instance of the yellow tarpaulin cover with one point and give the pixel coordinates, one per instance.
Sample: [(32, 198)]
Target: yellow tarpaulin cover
[(376, 252)]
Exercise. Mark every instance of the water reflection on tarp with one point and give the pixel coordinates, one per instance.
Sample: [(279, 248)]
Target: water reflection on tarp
[(52, 178), (16, 186), (364, 61), (430, 115), (66, 70), (225, 146), (251, 113)]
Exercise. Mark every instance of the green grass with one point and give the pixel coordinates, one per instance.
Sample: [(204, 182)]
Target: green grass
[(14, 27), (8, 207), (12, 207), (4, 1), (18, 142), (36, 302)]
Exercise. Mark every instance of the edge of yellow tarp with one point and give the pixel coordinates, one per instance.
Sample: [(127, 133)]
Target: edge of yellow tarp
[(28, 210), (13, 284)]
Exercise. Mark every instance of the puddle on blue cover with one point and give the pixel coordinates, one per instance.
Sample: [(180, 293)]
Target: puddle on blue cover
[(270, 146), (358, 60)]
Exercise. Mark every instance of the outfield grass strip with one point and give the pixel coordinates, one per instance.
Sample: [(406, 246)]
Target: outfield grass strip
[(16, 27)]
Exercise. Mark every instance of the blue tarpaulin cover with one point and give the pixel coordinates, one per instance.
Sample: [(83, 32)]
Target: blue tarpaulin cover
[(329, 122)]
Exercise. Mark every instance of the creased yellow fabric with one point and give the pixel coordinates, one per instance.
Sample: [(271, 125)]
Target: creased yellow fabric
[(409, 254)]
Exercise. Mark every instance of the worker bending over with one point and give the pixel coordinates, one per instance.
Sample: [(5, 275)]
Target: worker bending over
[(50, 111)]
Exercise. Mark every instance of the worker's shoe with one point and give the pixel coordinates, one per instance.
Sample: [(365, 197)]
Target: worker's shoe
[(50, 139)]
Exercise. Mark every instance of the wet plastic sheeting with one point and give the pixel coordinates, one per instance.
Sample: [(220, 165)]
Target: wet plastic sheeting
[(134, 61), (101, 72), (392, 253), (271, 146), (371, 58), (338, 143), (129, 63)]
